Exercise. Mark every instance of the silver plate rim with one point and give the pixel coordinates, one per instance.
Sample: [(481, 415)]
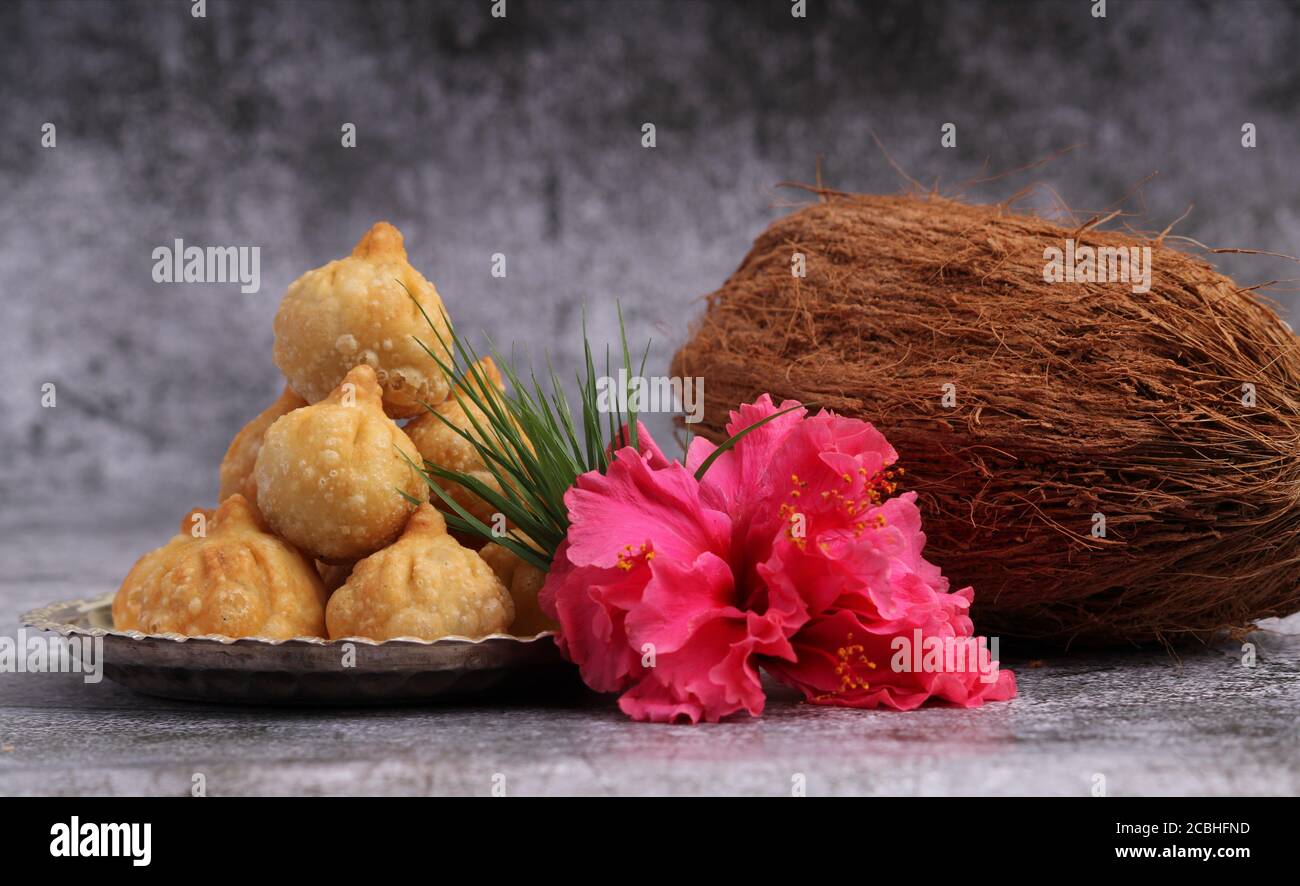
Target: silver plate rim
[(57, 618)]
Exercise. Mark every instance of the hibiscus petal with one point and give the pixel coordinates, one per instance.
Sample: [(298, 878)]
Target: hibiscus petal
[(843, 661), (710, 677), (649, 449), (592, 632), (679, 598), (652, 702), (740, 474), (614, 514)]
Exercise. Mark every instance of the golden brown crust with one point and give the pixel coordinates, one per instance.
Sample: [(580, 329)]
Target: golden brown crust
[(330, 476), (524, 581), (425, 586), (241, 455), (358, 311), (442, 446), (223, 574)]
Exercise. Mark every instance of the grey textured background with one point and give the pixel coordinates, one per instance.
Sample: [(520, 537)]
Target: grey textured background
[(522, 135)]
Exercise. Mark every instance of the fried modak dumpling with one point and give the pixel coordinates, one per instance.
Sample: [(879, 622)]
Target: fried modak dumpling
[(237, 466), (442, 446), (223, 574), (523, 580), (426, 585), (355, 311), (331, 476)]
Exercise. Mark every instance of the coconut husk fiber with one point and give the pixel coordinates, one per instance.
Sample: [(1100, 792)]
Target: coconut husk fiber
[(1071, 400)]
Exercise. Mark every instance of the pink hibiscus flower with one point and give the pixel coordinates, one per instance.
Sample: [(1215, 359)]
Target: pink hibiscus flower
[(829, 543), (645, 596), (791, 555)]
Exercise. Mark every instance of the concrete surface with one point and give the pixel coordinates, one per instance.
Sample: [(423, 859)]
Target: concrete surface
[(1148, 723)]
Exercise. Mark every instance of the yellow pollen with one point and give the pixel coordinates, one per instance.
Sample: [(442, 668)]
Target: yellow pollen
[(627, 557), (851, 656)]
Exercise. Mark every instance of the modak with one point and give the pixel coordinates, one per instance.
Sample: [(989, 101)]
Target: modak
[(425, 586), (332, 477), (442, 446), (358, 311), (223, 574), (523, 580), (237, 466)]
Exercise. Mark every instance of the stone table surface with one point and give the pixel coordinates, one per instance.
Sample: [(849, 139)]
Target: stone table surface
[(1148, 722)]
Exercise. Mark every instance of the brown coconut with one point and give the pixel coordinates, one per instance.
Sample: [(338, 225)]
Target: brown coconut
[(1072, 400)]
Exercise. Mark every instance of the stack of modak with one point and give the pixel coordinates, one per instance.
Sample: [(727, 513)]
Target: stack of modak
[(324, 528)]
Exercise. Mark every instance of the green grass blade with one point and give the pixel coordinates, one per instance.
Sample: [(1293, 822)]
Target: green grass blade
[(735, 438)]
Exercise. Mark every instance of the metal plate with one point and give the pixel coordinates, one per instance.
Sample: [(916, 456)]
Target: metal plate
[(308, 670)]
